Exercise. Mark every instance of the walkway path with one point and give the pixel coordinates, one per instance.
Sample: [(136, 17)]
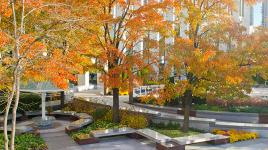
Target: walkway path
[(260, 144), (57, 139)]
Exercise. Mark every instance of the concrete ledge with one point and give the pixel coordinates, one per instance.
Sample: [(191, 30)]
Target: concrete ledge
[(196, 123), (229, 116), (221, 116)]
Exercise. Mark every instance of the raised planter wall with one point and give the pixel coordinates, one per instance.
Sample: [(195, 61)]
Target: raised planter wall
[(196, 123), (220, 116), (263, 118), (229, 116)]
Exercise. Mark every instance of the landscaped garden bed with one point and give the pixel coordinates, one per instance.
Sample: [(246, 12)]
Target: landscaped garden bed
[(103, 120), (172, 130), (237, 135), (26, 142), (84, 138)]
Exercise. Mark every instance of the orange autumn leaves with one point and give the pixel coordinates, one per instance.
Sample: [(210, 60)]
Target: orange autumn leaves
[(3, 39), (5, 10), (57, 67), (120, 27)]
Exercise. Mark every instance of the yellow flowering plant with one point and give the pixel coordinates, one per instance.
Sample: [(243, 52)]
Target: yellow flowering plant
[(237, 135)]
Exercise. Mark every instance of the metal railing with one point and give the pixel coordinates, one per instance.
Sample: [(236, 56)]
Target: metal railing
[(145, 90)]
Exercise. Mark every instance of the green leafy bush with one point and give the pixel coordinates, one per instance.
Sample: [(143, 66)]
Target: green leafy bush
[(135, 121), (100, 113), (98, 125), (26, 142), (82, 106), (128, 118), (172, 130), (29, 102)]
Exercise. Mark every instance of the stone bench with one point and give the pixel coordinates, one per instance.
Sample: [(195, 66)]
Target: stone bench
[(163, 142), (77, 125), (83, 116), (112, 132), (200, 138), (65, 115)]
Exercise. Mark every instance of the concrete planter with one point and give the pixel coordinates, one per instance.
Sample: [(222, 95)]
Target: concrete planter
[(90, 140), (192, 112), (263, 118)]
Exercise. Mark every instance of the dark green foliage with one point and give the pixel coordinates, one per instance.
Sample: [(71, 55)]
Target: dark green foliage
[(29, 102), (26, 142), (95, 126), (259, 79), (172, 130), (99, 113)]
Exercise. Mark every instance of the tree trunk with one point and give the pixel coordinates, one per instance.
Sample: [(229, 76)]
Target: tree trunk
[(187, 108), (62, 99), (14, 113), (130, 90), (104, 88), (9, 101), (116, 118), (130, 96)]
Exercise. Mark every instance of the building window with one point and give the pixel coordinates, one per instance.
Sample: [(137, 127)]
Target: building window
[(256, 15)]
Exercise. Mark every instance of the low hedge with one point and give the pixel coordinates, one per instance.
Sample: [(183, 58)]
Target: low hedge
[(27, 102), (97, 111), (30, 102)]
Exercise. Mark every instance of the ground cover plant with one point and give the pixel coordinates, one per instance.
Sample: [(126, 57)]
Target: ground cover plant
[(171, 130), (98, 125), (26, 142), (104, 113), (103, 118), (237, 135)]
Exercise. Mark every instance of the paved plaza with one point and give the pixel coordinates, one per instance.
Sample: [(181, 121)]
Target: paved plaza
[(57, 139)]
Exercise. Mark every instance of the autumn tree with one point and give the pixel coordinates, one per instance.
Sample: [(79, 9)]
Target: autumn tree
[(119, 28), (208, 59), (35, 45)]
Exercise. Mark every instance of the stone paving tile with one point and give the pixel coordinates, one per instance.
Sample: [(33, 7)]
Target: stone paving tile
[(121, 143), (259, 144)]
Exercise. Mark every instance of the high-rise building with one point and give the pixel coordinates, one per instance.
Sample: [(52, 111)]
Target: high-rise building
[(252, 15)]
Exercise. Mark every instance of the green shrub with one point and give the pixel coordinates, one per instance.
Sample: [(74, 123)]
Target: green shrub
[(82, 106), (26, 142), (100, 113), (108, 116), (27, 102), (135, 121), (98, 125), (170, 125)]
